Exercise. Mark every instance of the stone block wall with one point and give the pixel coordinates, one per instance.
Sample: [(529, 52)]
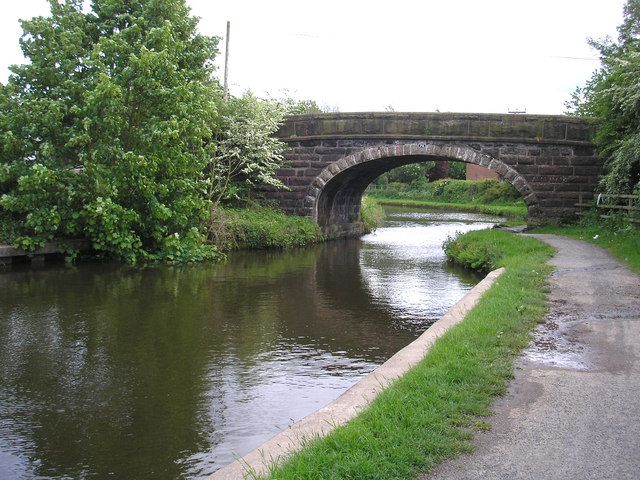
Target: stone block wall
[(333, 157)]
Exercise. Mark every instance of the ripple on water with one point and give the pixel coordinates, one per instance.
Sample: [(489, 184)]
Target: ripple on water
[(190, 367)]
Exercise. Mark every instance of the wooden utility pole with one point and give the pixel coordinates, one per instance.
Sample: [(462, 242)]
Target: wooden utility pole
[(226, 63)]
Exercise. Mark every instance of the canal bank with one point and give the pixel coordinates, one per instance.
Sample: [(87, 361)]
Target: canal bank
[(488, 196), (252, 227), (351, 403), (513, 214), (572, 411), (431, 413)]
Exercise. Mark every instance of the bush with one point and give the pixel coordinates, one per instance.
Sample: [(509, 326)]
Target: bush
[(611, 96), (371, 214), (248, 153), (472, 252), (487, 250)]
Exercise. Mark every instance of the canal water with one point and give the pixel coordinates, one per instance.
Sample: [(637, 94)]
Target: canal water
[(109, 371)]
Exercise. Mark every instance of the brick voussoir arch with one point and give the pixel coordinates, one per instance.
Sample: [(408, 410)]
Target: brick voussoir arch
[(462, 153)]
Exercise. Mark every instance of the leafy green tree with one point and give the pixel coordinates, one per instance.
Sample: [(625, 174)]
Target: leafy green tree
[(108, 129), (247, 153), (299, 107), (613, 95), (414, 172)]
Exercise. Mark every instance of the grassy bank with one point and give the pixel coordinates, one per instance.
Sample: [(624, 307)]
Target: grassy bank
[(486, 191), (429, 414), (483, 196), (257, 227), (371, 214), (622, 240)]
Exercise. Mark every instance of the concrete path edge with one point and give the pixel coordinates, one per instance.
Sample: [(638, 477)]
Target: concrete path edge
[(353, 401)]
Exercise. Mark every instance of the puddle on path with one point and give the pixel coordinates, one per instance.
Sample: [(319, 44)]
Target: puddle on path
[(554, 342)]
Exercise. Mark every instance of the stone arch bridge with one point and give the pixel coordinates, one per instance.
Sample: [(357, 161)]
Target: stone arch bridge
[(332, 158)]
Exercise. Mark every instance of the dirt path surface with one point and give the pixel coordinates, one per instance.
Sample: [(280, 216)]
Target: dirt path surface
[(573, 409)]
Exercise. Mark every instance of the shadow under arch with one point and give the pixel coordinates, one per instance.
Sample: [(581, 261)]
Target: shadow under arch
[(336, 193)]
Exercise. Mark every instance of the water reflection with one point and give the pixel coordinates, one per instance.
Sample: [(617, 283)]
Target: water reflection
[(404, 263), (167, 372)]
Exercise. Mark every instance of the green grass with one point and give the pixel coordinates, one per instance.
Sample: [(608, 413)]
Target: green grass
[(430, 413), (257, 227), (450, 190), (483, 196), (623, 241), (371, 214)]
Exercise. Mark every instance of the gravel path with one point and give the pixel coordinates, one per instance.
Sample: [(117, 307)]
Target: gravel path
[(573, 409)]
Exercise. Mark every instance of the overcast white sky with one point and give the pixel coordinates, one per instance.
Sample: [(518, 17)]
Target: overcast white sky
[(450, 55)]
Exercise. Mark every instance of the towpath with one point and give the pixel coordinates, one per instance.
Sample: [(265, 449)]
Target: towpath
[(573, 409)]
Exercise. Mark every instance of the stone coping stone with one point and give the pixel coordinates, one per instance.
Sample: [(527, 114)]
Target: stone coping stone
[(483, 127), (355, 399)]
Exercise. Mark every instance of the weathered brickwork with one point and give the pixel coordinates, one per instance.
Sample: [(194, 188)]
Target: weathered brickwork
[(332, 158)]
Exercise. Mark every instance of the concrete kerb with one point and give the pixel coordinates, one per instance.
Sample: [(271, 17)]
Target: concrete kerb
[(354, 400)]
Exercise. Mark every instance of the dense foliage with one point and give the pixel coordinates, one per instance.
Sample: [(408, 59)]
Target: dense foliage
[(247, 153), (613, 95), (417, 174), (106, 130), (115, 131)]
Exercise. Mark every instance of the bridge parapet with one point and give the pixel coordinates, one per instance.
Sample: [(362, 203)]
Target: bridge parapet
[(557, 129)]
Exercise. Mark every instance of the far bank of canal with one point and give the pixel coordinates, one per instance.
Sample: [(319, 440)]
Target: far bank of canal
[(168, 372)]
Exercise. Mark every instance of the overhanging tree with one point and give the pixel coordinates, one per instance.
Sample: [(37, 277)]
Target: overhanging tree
[(613, 95), (107, 129)]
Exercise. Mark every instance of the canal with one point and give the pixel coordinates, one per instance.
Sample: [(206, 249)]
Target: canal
[(110, 371)]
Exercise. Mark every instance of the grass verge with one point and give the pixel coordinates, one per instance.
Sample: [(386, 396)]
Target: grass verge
[(430, 414), (622, 241), (257, 227)]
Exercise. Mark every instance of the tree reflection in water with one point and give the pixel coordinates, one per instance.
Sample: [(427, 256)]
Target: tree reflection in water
[(167, 372)]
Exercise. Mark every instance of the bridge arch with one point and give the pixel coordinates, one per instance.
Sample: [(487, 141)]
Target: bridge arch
[(332, 157), (334, 196)]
